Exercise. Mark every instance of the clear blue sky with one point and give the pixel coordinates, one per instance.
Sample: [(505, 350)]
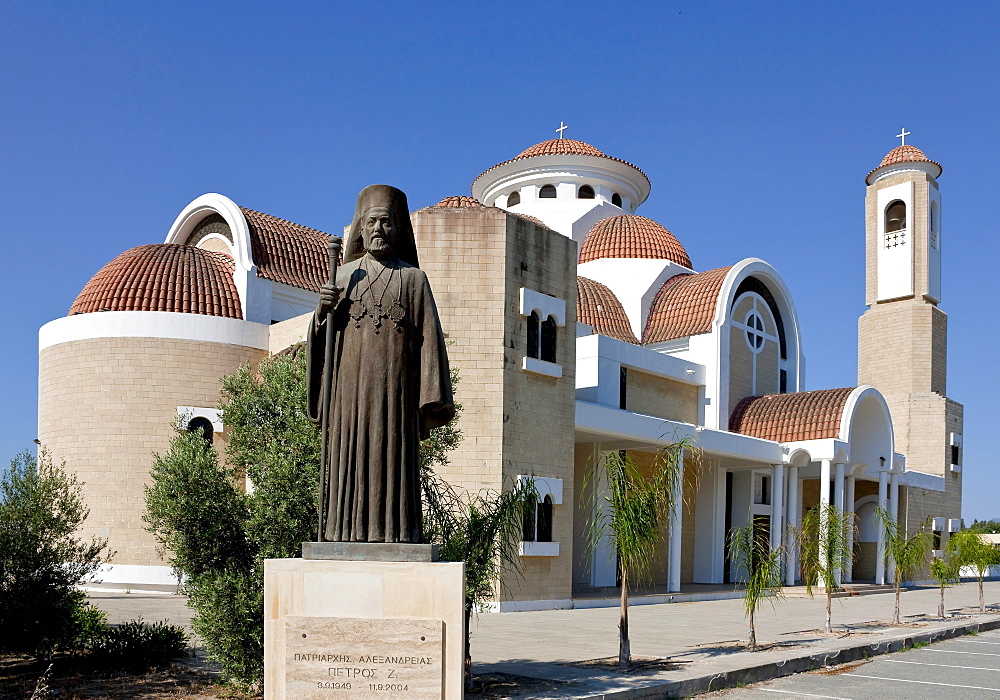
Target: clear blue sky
[(756, 123)]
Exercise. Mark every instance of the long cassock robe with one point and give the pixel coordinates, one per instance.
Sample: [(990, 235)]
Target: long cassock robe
[(391, 385)]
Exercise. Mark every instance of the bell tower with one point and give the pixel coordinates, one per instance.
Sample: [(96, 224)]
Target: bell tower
[(902, 337)]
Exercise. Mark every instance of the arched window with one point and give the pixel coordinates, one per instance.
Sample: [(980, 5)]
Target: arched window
[(547, 192), (543, 528), (532, 350), (528, 530), (537, 523), (585, 192), (513, 199), (895, 216), (202, 425), (616, 199), (548, 348)]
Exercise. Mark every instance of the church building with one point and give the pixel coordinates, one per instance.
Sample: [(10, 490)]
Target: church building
[(579, 328)]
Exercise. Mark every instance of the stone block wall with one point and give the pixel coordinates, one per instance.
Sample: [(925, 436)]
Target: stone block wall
[(105, 405)]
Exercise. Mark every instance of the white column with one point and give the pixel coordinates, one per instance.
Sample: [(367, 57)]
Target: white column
[(791, 558), (603, 563), (777, 503), (838, 501), (883, 489), (676, 519), (894, 512), (824, 501), (849, 506)]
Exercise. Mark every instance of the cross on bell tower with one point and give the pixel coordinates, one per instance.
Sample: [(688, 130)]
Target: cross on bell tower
[(903, 133)]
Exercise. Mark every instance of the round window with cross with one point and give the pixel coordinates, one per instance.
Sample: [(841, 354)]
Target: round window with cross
[(755, 331)]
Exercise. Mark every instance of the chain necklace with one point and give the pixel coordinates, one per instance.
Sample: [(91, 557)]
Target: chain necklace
[(367, 305)]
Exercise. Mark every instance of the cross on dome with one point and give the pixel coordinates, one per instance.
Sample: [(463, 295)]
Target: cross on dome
[(903, 133), (562, 128)]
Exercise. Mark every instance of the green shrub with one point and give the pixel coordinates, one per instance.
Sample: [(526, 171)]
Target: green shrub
[(139, 645), (216, 534), (40, 558), (91, 626)]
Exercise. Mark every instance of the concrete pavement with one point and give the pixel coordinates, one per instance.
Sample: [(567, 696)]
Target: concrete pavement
[(697, 637)]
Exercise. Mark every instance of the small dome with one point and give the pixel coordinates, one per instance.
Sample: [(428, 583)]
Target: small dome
[(163, 277), (632, 236), (561, 147), (905, 154), (459, 201), (598, 306)]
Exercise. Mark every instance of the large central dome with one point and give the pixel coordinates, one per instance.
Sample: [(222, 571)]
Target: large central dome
[(561, 147)]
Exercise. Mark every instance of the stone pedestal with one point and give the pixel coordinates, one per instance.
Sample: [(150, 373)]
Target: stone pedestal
[(346, 630)]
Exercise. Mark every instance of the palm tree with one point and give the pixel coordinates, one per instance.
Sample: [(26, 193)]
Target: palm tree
[(944, 571), (760, 569), (969, 549), (907, 553), (634, 512), (824, 547), (482, 529)]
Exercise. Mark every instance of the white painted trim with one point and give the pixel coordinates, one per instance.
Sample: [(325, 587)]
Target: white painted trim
[(932, 169), (545, 486), (544, 304), (214, 415), (135, 575), (920, 480), (506, 606), (954, 524), (538, 549), (549, 369), (204, 206), (153, 324), (615, 425)]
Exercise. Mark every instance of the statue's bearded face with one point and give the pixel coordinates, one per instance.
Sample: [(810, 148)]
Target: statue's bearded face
[(379, 232)]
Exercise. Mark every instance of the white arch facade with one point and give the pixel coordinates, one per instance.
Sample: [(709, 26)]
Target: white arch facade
[(255, 292)]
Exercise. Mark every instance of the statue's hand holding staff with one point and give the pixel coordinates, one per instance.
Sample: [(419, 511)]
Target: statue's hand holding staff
[(329, 295)]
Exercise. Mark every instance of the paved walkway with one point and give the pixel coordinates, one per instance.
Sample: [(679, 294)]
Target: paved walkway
[(696, 636)]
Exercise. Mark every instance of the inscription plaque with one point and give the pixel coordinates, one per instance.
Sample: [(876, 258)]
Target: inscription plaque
[(347, 658)]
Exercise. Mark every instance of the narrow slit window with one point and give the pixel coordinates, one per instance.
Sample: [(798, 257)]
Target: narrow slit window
[(533, 335), (548, 349)]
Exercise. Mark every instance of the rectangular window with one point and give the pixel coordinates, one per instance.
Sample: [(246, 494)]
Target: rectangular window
[(623, 388)]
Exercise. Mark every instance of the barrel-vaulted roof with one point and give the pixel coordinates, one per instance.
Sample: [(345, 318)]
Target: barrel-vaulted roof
[(685, 305), (163, 277), (804, 415), (286, 252)]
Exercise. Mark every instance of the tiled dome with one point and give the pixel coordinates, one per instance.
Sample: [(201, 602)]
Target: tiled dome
[(459, 201), (598, 306), (163, 277), (561, 147), (632, 236), (905, 154)]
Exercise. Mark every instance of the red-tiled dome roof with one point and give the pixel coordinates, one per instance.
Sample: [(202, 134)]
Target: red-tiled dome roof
[(286, 252), (685, 305), (805, 415), (459, 201), (905, 154), (560, 147), (632, 236), (163, 277), (598, 306)]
